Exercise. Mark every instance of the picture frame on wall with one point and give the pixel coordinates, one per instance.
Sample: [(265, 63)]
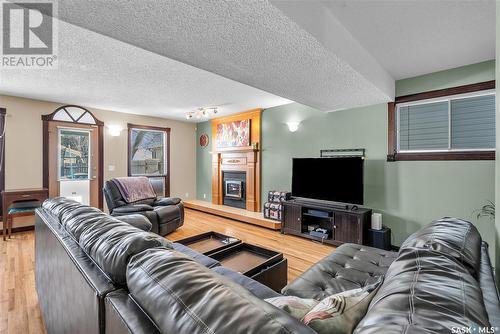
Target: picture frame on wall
[(204, 140), (233, 134)]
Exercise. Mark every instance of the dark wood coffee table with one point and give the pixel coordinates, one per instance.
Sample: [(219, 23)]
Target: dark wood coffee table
[(263, 265), (209, 242)]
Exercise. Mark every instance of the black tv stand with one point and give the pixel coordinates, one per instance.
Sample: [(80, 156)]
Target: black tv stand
[(344, 222)]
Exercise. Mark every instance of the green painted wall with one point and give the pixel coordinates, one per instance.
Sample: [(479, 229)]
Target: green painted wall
[(409, 194), (203, 163), (464, 75)]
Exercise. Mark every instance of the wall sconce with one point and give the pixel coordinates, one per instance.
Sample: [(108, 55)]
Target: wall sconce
[(293, 126), (114, 130)]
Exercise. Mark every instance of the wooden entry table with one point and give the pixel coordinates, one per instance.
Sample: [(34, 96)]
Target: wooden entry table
[(13, 196)]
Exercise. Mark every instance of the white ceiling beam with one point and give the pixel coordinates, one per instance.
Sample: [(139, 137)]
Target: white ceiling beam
[(318, 20)]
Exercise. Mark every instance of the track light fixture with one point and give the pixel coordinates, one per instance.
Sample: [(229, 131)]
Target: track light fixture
[(202, 113)]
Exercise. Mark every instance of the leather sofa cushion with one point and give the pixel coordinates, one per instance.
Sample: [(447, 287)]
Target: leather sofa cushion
[(132, 208), (90, 236), (171, 226), (138, 221), (123, 316), (78, 224), (452, 237), (150, 215), (165, 201), (58, 206), (181, 296), (167, 213), (350, 266), (198, 257), (50, 203), (76, 210), (427, 292), (259, 290), (487, 283), (111, 243), (73, 216)]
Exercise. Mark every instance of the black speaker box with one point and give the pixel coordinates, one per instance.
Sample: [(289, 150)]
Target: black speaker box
[(380, 238)]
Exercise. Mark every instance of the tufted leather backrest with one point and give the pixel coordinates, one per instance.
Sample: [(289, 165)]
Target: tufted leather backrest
[(350, 266), (452, 237), (182, 296), (425, 292)]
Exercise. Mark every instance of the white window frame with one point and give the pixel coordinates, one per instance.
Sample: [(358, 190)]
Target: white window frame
[(448, 99)]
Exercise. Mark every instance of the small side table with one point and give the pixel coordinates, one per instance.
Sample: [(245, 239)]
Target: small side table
[(10, 197), (380, 238)]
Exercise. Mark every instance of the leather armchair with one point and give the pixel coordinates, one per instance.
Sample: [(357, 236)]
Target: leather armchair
[(166, 214)]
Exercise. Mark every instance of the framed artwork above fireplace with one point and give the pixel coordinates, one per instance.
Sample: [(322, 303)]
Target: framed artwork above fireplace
[(233, 134)]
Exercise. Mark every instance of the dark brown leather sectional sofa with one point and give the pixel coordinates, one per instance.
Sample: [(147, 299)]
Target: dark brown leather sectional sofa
[(96, 274)]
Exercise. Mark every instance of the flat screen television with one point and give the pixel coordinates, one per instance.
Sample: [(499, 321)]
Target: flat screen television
[(330, 179)]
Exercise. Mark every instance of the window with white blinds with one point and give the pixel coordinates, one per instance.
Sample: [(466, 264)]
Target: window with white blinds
[(456, 123)]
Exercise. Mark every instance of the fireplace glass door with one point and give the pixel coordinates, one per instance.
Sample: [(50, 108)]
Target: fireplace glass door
[(233, 189)]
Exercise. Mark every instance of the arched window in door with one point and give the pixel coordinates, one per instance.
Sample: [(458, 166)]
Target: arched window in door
[(72, 114)]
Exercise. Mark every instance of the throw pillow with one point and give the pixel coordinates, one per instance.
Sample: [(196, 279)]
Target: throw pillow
[(341, 313), (297, 307)]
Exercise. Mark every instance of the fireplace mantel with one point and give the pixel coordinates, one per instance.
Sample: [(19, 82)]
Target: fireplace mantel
[(235, 150), (245, 159)]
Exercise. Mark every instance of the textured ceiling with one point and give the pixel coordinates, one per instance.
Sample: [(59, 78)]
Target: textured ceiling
[(251, 41), (135, 56), (101, 72), (415, 37)]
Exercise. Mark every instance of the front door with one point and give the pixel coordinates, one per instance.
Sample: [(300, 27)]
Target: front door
[(73, 162), (73, 155)]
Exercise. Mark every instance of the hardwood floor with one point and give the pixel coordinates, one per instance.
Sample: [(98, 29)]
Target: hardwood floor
[(301, 253), (19, 311), (256, 218)]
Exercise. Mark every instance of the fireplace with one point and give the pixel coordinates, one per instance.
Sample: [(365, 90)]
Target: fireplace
[(242, 163), (234, 189)]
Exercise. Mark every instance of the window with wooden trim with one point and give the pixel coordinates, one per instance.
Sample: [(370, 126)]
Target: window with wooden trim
[(149, 153), (442, 126)]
